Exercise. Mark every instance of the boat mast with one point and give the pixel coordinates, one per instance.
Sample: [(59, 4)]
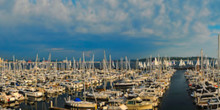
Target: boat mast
[(49, 61), (126, 63), (84, 72), (117, 65), (74, 63), (55, 66), (80, 64), (202, 63), (14, 70), (218, 60), (93, 70), (67, 64), (3, 65), (129, 64), (93, 62), (150, 63), (137, 61), (104, 68), (110, 67), (36, 70), (121, 64)]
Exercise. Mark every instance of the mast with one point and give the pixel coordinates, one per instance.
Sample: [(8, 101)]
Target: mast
[(49, 61), (218, 60), (14, 70), (55, 66), (43, 65), (104, 68), (126, 63), (93, 62), (110, 67), (80, 64), (202, 62), (83, 71), (66, 65), (74, 63), (110, 63), (121, 64), (36, 70), (137, 64), (129, 64), (117, 68), (36, 61), (147, 63), (150, 63), (218, 51), (2, 70)]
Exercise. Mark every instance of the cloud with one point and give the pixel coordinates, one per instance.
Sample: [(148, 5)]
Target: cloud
[(56, 49), (107, 16), (165, 23), (60, 50)]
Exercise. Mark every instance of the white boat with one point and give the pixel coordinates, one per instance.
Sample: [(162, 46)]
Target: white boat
[(116, 104), (18, 96), (6, 98), (138, 104), (31, 92), (77, 103)]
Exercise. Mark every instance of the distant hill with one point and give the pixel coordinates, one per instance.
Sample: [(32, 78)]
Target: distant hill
[(179, 58)]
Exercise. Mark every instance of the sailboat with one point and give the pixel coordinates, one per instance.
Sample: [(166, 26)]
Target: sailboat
[(182, 63), (144, 66), (156, 62), (140, 65), (216, 62), (192, 63), (197, 62), (106, 94), (32, 91)]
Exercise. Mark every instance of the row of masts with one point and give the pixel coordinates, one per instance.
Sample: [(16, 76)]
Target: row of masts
[(123, 64)]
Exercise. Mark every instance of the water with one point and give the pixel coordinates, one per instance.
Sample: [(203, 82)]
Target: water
[(44, 103), (177, 97)]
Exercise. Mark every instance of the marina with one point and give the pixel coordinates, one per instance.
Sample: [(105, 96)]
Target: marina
[(82, 85), (109, 55), (152, 84)]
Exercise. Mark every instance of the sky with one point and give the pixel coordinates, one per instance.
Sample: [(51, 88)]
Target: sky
[(133, 28)]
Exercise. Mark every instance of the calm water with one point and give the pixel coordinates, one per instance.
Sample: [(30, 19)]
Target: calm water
[(43, 104), (177, 97)]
